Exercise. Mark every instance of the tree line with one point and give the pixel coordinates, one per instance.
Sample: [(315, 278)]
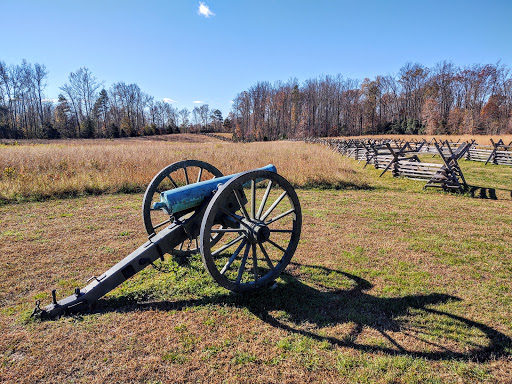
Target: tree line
[(85, 109), (445, 99)]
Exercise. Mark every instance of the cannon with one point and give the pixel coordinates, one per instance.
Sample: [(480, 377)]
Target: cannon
[(246, 227)]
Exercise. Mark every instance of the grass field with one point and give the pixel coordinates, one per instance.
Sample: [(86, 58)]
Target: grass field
[(36, 171), (389, 283)]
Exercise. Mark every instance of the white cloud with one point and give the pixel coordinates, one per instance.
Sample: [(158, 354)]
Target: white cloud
[(198, 102), (204, 10), (168, 100)]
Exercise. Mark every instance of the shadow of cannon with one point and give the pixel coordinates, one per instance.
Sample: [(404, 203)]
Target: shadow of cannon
[(299, 303)]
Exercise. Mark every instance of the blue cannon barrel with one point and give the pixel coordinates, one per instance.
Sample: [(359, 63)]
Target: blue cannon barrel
[(192, 195)]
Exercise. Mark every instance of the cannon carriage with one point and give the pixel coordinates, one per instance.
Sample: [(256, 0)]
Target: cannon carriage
[(246, 227)]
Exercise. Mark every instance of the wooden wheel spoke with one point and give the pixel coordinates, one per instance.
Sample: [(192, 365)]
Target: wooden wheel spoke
[(233, 257), (276, 245), (186, 175), (172, 181), (226, 246), (199, 175), (253, 199), (242, 207), (255, 263), (273, 206), (269, 262), (280, 216), (264, 200), (242, 265)]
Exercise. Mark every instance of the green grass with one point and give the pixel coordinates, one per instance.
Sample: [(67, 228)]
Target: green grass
[(389, 284)]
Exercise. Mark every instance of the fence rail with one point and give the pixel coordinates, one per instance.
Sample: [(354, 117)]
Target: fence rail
[(401, 157)]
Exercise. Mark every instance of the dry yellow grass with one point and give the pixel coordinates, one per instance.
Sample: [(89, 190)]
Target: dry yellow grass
[(480, 139), (74, 167)]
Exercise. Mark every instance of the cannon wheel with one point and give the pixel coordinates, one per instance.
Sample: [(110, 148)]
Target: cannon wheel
[(174, 175), (262, 235)]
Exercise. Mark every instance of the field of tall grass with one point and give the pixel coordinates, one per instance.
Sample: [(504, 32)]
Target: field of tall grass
[(66, 168)]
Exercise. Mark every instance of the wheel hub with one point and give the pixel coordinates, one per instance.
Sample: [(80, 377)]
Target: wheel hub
[(257, 232)]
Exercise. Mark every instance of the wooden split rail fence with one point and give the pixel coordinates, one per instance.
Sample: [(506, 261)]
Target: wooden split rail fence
[(402, 159), (498, 153)]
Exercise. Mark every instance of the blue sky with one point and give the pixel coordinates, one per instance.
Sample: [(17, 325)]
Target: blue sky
[(174, 52)]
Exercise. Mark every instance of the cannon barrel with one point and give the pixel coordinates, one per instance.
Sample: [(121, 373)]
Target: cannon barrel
[(192, 195)]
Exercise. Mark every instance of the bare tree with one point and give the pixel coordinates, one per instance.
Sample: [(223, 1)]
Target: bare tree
[(196, 118), (40, 75), (81, 91), (184, 115), (204, 113)]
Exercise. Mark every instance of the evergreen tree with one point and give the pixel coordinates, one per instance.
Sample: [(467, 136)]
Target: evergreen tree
[(100, 113), (87, 131)]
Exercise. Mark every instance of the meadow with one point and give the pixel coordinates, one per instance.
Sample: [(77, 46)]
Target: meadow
[(40, 170), (389, 284)]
